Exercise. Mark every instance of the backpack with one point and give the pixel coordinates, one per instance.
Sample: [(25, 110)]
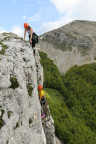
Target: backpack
[(43, 101), (34, 38)]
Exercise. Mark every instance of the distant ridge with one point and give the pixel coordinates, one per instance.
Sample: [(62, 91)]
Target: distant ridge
[(71, 44)]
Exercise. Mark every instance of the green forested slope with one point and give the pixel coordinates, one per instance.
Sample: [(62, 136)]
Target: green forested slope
[(72, 100)]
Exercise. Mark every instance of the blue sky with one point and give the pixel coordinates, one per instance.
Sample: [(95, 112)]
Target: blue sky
[(43, 15)]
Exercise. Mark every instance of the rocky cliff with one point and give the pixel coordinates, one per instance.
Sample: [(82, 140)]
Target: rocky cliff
[(72, 44), (20, 110)]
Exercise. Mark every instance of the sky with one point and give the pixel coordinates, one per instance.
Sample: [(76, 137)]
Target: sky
[(43, 15)]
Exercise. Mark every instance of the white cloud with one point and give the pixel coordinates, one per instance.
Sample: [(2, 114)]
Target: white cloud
[(67, 9), (65, 5), (15, 29), (33, 18), (78, 9), (48, 26), (71, 10), (86, 10), (24, 17), (18, 30), (2, 30)]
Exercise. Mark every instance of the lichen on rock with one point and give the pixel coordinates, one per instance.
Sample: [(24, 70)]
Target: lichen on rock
[(29, 88), (14, 82), (1, 118), (3, 48), (9, 114)]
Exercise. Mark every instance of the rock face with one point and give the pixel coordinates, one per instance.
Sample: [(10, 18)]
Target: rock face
[(72, 44), (58, 141), (48, 122), (20, 110)]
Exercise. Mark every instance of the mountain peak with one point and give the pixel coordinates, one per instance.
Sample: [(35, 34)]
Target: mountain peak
[(72, 44)]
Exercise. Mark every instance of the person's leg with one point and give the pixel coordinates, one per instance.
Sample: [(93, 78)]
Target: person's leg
[(33, 43), (33, 46), (29, 38), (44, 105), (30, 43)]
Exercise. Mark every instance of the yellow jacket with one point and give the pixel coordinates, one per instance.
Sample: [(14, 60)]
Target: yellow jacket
[(41, 94)]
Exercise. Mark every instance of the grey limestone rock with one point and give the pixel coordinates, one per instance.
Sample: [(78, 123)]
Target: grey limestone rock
[(20, 113)]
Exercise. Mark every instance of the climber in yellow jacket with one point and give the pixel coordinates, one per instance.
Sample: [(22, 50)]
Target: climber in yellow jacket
[(41, 95), (43, 102)]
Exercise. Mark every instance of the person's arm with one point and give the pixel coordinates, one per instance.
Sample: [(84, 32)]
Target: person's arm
[(24, 34)]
